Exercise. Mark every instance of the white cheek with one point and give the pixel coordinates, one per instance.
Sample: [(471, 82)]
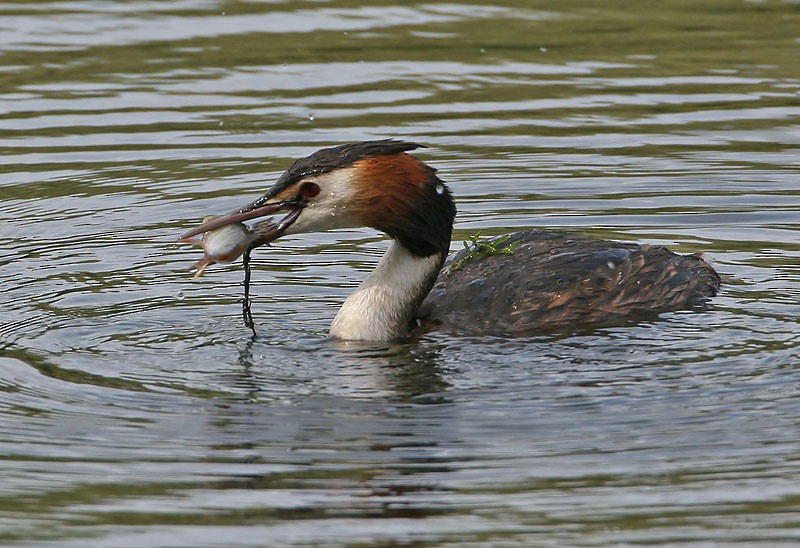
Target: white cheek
[(332, 208), (318, 218)]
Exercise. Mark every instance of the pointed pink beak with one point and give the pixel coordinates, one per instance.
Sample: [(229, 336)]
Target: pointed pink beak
[(251, 211)]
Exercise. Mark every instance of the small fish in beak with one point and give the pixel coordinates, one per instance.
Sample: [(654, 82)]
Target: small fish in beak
[(227, 238), (222, 245)]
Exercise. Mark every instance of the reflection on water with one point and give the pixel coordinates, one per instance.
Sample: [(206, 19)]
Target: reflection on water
[(137, 410)]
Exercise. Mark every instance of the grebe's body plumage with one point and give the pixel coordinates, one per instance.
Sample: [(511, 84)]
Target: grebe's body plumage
[(561, 281), (551, 281)]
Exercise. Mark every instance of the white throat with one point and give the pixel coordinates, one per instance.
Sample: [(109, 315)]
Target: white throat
[(382, 307)]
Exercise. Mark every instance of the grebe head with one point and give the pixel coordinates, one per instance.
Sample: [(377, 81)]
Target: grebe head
[(374, 184)]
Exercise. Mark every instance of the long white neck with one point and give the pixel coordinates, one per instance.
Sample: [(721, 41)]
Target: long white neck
[(383, 306)]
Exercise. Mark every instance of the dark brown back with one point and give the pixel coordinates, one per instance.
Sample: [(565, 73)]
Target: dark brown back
[(559, 281)]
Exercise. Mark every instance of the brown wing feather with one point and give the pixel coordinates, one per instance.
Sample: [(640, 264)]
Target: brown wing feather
[(556, 281)]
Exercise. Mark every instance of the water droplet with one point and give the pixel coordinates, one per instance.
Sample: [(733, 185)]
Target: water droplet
[(181, 296), (311, 116), (439, 189)]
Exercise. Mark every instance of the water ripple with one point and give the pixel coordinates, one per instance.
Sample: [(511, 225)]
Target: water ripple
[(136, 405)]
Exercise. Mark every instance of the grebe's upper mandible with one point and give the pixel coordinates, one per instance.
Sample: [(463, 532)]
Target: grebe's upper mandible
[(551, 281)]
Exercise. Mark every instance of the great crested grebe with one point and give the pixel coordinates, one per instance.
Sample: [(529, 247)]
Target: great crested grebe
[(551, 280)]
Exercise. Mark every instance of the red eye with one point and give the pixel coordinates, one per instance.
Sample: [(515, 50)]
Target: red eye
[(309, 190)]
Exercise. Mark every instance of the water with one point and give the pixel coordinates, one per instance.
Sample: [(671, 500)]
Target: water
[(135, 410)]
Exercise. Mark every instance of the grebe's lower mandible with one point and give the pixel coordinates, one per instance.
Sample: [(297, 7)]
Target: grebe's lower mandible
[(550, 280)]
